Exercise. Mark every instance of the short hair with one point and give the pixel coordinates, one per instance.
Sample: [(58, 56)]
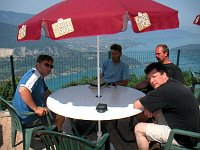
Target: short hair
[(165, 48), (156, 65), (41, 58), (116, 47)]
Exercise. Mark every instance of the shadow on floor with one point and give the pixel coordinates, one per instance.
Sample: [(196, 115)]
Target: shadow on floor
[(1, 136)]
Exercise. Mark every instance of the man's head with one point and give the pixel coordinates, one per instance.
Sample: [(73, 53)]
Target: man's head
[(116, 52), (44, 64), (157, 74), (162, 53)]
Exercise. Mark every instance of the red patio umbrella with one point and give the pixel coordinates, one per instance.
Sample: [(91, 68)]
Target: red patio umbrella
[(78, 18), (197, 20)]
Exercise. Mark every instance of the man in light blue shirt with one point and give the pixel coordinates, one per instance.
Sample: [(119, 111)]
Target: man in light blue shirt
[(114, 70)]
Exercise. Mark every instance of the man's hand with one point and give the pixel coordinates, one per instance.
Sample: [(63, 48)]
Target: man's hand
[(148, 114), (41, 111)]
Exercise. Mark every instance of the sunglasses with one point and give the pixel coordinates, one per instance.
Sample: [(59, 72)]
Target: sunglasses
[(48, 65)]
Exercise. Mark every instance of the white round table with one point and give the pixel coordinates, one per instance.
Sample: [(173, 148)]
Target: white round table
[(79, 102)]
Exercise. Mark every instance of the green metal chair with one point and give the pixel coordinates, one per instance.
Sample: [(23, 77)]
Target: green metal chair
[(16, 125), (82, 128), (170, 146), (60, 141), (195, 84)]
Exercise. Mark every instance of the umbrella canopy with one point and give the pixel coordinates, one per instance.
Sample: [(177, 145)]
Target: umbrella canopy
[(78, 18), (197, 20)]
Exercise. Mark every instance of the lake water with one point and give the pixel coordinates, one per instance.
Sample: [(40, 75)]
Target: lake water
[(186, 62)]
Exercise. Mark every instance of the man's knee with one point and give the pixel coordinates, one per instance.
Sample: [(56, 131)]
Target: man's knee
[(140, 128)]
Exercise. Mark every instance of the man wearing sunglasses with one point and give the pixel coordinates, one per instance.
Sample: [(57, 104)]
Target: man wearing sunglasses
[(31, 94)]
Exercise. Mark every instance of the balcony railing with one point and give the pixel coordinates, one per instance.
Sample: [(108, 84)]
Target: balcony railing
[(76, 67)]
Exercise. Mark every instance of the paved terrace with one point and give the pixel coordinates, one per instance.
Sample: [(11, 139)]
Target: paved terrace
[(5, 136), (123, 124)]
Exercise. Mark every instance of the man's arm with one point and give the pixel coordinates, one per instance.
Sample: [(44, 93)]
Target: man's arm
[(138, 105), (27, 98), (142, 85), (122, 83)]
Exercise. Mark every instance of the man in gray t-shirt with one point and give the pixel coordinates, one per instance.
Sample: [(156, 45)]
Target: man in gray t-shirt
[(114, 70)]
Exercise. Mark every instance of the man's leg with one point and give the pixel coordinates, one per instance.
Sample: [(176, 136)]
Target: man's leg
[(59, 121), (140, 134)]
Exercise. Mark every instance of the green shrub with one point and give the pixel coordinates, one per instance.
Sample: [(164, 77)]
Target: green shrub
[(188, 78), (133, 80), (6, 87), (82, 81), (6, 90)]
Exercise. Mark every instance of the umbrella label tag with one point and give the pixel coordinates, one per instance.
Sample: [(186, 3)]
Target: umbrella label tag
[(22, 32), (142, 21), (62, 27), (197, 20)]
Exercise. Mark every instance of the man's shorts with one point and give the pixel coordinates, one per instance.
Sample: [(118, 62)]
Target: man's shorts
[(159, 132), (43, 120)]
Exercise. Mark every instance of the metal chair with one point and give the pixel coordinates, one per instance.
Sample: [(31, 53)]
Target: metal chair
[(170, 146), (195, 84), (17, 125), (82, 128), (60, 141)]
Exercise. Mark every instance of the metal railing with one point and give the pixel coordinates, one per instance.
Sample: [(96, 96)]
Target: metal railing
[(75, 68)]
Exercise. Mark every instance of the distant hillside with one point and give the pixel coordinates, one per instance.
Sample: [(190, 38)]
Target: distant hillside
[(8, 36), (128, 39), (13, 18), (83, 49), (188, 47)]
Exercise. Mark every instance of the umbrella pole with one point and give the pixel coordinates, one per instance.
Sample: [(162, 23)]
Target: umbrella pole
[(99, 133), (98, 69)]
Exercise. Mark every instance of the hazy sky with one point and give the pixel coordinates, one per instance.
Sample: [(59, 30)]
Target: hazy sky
[(188, 9)]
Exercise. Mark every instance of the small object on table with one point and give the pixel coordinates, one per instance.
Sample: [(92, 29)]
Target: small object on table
[(101, 108)]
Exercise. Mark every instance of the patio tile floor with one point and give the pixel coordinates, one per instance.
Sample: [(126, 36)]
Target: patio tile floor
[(5, 136)]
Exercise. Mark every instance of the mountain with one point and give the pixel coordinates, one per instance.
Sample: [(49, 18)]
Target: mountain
[(188, 47), (129, 40), (8, 36), (13, 18), (173, 38), (64, 50)]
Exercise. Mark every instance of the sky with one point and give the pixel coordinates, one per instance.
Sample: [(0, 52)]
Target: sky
[(188, 9)]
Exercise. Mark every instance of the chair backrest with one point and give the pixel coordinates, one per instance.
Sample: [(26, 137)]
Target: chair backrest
[(195, 84), (170, 146), (16, 122), (195, 77), (60, 141)]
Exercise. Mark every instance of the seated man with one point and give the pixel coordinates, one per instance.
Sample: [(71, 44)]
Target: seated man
[(162, 55), (31, 94), (177, 107), (114, 70)]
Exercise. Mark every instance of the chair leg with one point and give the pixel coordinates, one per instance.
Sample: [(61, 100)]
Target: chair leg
[(14, 133), (27, 138)]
